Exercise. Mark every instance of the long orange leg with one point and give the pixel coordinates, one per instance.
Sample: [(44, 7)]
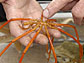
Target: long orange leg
[(28, 23), (80, 46), (67, 26), (52, 47), (17, 39), (50, 50), (71, 27), (47, 48), (51, 20), (42, 16), (25, 50), (17, 19)]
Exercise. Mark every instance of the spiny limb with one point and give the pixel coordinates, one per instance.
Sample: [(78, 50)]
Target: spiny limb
[(29, 27), (51, 20), (28, 23), (29, 44), (52, 47), (47, 48), (67, 26), (17, 19), (80, 46), (42, 16), (70, 34), (50, 50), (17, 39)]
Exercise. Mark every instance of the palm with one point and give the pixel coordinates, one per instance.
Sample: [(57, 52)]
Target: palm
[(22, 9)]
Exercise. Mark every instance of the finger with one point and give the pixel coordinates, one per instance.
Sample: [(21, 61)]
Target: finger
[(78, 12), (17, 31), (54, 33), (69, 6), (41, 39), (54, 6)]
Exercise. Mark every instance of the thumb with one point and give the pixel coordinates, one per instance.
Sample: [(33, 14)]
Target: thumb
[(54, 6)]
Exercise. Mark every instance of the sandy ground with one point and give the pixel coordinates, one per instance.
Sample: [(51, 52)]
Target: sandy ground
[(36, 54)]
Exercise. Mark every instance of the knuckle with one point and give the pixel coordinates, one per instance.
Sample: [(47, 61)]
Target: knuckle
[(42, 39)]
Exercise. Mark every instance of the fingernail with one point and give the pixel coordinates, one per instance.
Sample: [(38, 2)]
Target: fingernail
[(46, 13)]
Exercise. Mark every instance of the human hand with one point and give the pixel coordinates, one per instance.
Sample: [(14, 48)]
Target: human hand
[(25, 9), (77, 7)]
